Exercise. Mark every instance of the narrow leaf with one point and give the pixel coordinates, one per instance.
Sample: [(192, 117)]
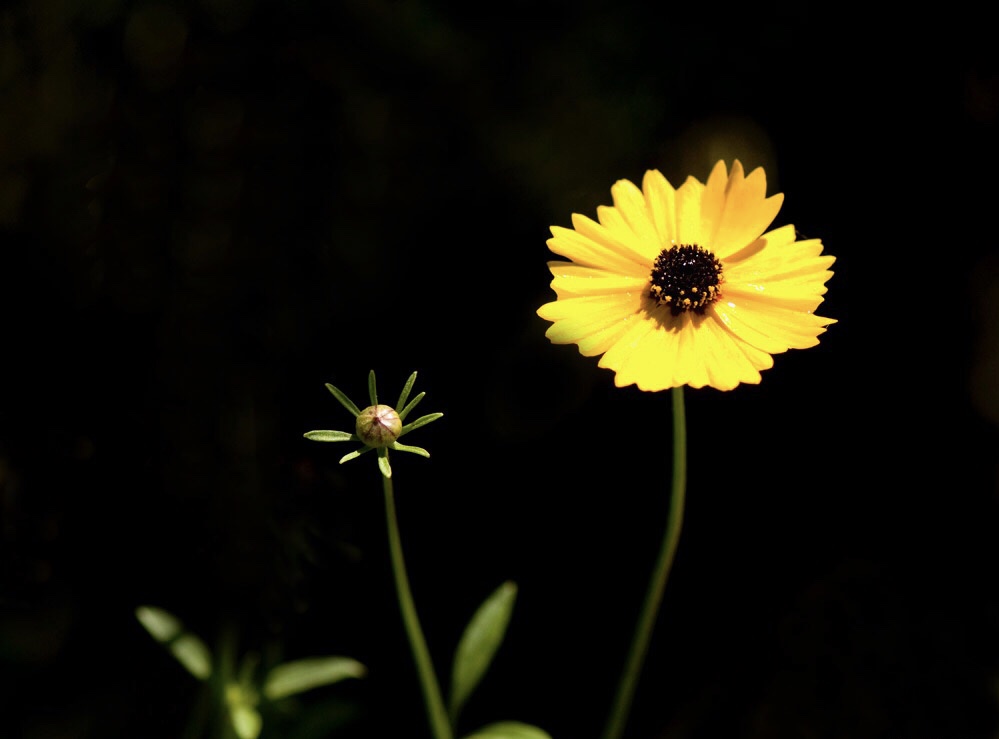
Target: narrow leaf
[(412, 404), (371, 388), (304, 674), (344, 400), (479, 643), (421, 421), (162, 625), (509, 730), (413, 449), (191, 652), (246, 721), (404, 395), (167, 629), (329, 435), (354, 455), (383, 463)]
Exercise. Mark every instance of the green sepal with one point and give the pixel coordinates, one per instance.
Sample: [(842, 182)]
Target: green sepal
[(407, 448), (478, 645), (371, 388), (329, 435), (509, 730), (404, 395), (412, 404), (421, 421), (354, 455), (344, 400), (300, 675), (383, 462)]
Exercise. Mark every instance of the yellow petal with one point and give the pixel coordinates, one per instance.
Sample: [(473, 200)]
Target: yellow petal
[(615, 224), (690, 359), (661, 199), (602, 253), (574, 279), (689, 224), (653, 362), (770, 328), (591, 322), (778, 237), (617, 353), (735, 209), (790, 274), (786, 267), (628, 255), (688, 349), (602, 339), (725, 360), (587, 307), (775, 254), (803, 296), (748, 332), (629, 202)]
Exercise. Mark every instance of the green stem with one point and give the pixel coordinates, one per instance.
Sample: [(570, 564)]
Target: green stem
[(657, 583), (436, 712)]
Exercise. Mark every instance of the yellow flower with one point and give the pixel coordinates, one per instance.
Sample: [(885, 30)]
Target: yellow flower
[(681, 286)]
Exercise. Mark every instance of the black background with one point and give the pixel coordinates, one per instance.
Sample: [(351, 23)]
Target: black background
[(210, 209)]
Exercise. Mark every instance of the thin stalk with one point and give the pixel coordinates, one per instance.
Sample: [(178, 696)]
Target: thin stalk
[(436, 713), (660, 573)]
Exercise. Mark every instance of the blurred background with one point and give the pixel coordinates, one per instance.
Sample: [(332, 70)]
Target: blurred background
[(211, 208)]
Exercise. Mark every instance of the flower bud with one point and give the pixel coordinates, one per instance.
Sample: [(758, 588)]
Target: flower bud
[(378, 426)]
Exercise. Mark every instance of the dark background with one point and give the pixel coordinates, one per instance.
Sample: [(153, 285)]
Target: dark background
[(210, 209)]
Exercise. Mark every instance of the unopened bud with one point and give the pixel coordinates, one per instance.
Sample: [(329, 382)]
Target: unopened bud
[(378, 426)]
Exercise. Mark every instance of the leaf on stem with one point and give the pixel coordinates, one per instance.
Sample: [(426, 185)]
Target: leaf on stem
[(509, 730), (412, 449), (246, 720), (330, 436), (312, 672), (421, 421), (412, 404), (478, 645), (404, 395), (383, 462), (344, 400), (354, 455), (186, 648)]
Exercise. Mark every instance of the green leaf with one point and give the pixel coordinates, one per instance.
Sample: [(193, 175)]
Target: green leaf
[(162, 625), (404, 395), (167, 629), (479, 643), (344, 400), (412, 404), (383, 463), (304, 674), (246, 721), (191, 652), (371, 388), (421, 421), (354, 455), (330, 436), (412, 449), (509, 730)]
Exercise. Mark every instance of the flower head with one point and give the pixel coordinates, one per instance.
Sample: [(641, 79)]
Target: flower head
[(378, 426), (681, 286)]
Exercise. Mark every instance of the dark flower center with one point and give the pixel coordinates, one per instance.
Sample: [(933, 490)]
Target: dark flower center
[(686, 277)]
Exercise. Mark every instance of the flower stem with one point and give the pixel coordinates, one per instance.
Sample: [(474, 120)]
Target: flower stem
[(436, 713), (657, 583)]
